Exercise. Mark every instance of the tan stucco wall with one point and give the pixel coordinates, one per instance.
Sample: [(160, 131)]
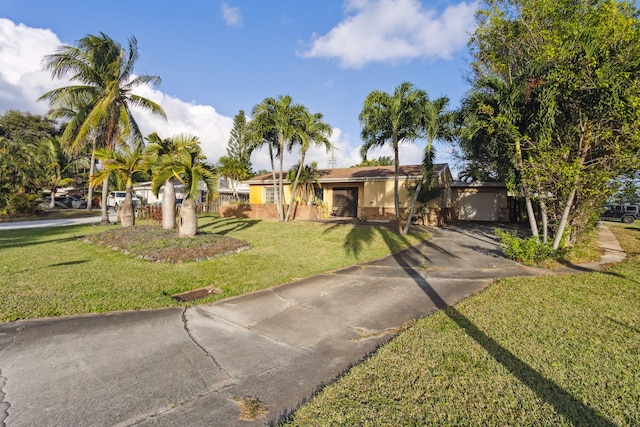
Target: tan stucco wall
[(257, 192)]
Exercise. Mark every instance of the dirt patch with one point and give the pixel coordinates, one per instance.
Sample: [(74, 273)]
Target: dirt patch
[(155, 244), (251, 409)]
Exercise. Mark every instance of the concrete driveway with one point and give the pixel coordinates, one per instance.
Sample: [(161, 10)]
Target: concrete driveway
[(192, 367)]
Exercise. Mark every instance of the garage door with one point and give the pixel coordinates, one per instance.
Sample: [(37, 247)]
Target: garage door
[(345, 202), (481, 206)]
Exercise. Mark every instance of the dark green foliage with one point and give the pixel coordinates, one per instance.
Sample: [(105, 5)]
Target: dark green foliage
[(528, 251)]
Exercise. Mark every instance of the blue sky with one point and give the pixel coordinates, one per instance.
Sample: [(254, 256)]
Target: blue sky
[(216, 58)]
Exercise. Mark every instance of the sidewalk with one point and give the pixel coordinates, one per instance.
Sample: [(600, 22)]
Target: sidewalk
[(279, 345)]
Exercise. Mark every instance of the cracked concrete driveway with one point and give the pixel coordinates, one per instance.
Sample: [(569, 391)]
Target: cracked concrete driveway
[(191, 367)]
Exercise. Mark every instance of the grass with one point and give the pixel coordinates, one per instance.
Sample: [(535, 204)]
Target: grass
[(554, 350), (54, 272)]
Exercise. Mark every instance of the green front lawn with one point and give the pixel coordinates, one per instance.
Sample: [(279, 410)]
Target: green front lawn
[(52, 272), (557, 350)]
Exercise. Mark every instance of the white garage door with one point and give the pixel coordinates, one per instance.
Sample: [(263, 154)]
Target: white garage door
[(481, 206)]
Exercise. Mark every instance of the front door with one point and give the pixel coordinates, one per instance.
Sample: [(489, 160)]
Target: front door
[(345, 202)]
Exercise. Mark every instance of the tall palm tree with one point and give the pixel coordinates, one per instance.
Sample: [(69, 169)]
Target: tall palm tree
[(188, 167), (391, 119), (315, 131), (99, 107), (281, 118), (124, 162), (436, 123), (161, 154)]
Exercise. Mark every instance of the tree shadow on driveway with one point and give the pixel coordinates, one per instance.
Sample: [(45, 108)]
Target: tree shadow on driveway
[(564, 403)]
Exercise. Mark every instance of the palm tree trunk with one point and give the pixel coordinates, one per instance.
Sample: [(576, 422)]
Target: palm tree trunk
[(52, 202), (188, 219), (525, 191), (276, 193), (396, 195), (413, 204), (92, 167), (127, 217), (104, 220), (295, 186), (281, 182), (169, 206)]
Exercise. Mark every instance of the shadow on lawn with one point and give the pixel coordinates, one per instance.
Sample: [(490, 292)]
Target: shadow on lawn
[(576, 411), (224, 226)]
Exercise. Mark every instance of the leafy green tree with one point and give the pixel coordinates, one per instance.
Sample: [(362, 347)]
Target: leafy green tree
[(124, 162), (380, 161), (391, 119), (239, 146), (573, 80), (99, 106)]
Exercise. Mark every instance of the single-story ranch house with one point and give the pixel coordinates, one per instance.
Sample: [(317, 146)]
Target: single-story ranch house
[(367, 193)]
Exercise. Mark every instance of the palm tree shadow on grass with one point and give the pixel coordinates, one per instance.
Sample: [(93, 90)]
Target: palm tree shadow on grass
[(361, 235), (225, 226), (560, 399)]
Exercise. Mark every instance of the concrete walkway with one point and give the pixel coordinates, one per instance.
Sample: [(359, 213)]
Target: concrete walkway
[(192, 367)]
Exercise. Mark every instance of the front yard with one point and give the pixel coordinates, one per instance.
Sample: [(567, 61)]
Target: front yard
[(556, 350), (54, 272)]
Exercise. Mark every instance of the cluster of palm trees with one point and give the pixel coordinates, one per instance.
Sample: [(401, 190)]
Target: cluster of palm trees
[(98, 108), (282, 125), (405, 115)]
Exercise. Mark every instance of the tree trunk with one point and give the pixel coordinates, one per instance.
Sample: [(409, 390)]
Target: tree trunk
[(525, 191), (104, 220), (169, 206), (276, 193), (52, 202), (188, 219), (564, 219), (396, 195), (281, 181), (545, 220), (295, 187), (127, 216), (412, 207), (92, 167)]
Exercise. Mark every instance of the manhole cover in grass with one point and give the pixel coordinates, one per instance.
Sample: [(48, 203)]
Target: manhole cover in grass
[(195, 294)]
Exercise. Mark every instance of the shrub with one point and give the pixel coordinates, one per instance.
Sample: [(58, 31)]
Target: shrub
[(527, 251)]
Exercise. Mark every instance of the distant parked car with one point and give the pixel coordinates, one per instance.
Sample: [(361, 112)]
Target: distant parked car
[(78, 203), (624, 213), (60, 202), (116, 199)]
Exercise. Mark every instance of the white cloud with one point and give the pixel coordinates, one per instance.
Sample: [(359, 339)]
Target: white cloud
[(22, 82), (231, 15), (394, 31)]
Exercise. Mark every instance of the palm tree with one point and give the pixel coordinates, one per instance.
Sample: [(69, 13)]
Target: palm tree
[(57, 165), (234, 169), (161, 154), (124, 162), (188, 167), (307, 180), (99, 108), (279, 118), (436, 123), (315, 131), (391, 119)]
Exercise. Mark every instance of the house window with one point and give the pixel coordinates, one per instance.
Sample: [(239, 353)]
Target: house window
[(269, 198)]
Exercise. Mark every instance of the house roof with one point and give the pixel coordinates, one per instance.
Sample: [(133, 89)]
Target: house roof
[(361, 174)]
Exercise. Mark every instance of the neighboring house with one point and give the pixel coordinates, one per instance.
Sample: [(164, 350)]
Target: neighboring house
[(143, 190), (363, 192), (480, 201)]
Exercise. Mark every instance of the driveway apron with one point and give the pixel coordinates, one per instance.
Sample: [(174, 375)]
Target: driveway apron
[(280, 345)]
